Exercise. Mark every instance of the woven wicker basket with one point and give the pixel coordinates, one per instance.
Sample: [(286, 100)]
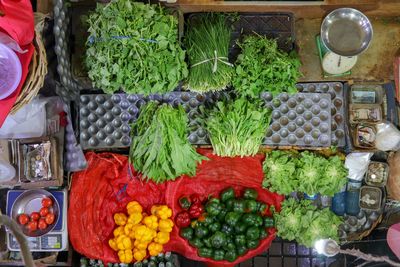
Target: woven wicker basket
[(37, 70)]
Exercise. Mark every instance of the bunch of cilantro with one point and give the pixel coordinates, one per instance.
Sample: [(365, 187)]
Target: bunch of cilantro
[(286, 172), (134, 47), (303, 222), (160, 149), (237, 127), (263, 67)]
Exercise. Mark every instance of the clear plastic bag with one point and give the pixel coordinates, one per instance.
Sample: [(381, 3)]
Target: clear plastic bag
[(357, 163), (387, 137)]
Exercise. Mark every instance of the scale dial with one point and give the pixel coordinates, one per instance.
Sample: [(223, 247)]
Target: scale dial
[(335, 64)]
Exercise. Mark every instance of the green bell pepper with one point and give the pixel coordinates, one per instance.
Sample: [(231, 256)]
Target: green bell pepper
[(251, 205), (227, 194), (249, 219), (269, 222), (207, 242), (258, 220), (227, 229), (218, 239), (263, 232), (208, 219), (205, 252), (239, 205), (184, 203), (232, 218), (262, 208), (253, 233), (196, 242), (201, 231), (241, 250), (221, 215), (213, 207), (250, 193), (230, 256), (229, 204), (240, 228), (240, 240), (186, 233), (252, 244), (218, 255), (215, 226)]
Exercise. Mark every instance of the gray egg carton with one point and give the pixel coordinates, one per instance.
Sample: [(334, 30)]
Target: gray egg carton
[(336, 91), (302, 119)]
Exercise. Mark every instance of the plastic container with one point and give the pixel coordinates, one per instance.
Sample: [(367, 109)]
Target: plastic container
[(377, 174), (10, 71)]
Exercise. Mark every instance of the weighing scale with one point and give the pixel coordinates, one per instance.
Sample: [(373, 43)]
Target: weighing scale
[(56, 239)]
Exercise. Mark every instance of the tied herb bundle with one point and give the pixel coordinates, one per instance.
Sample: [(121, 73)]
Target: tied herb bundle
[(263, 67), (303, 222), (287, 172), (160, 149), (237, 128), (134, 47), (207, 41)]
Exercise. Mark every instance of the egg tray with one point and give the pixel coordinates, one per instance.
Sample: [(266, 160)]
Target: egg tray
[(360, 223), (302, 119), (338, 107), (105, 119)]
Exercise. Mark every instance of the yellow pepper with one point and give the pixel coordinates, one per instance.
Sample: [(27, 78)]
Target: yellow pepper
[(118, 231), (143, 234), (162, 238), (113, 244), (140, 245), (120, 218), (134, 207), (125, 256), (124, 242), (139, 255), (129, 229), (161, 211), (135, 218), (155, 249), (151, 221), (165, 225)]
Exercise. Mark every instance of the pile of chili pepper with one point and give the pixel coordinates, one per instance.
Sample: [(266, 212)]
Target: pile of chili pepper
[(224, 228)]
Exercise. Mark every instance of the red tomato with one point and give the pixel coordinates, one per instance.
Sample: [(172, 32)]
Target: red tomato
[(47, 202), (35, 216), (42, 224), (50, 218), (23, 219), (32, 226), (43, 212)]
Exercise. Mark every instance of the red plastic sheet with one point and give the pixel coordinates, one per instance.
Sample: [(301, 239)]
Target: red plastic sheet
[(110, 183)]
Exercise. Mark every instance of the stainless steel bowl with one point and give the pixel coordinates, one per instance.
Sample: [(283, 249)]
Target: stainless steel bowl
[(31, 201), (346, 32)]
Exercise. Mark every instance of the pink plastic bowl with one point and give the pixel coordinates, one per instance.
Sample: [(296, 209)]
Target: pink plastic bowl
[(10, 71)]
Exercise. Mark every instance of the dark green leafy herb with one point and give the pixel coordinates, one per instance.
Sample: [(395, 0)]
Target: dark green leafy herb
[(207, 41), (237, 128), (160, 149), (134, 47), (263, 67)]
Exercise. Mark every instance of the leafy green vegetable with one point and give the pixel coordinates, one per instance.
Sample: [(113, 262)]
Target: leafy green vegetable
[(263, 67), (303, 222), (237, 128), (307, 172), (280, 172), (134, 47), (160, 149), (207, 41)]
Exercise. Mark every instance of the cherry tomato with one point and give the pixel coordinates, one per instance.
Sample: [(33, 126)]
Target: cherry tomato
[(50, 218), (42, 224), (23, 219), (43, 212), (35, 216), (47, 202), (32, 226)]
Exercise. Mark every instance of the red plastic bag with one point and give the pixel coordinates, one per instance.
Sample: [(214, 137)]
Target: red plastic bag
[(212, 177), (17, 22)]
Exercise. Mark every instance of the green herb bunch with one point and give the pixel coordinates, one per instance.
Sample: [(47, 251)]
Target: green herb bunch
[(263, 67), (287, 172), (134, 47), (237, 128), (207, 41), (303, 222), (160, 149)]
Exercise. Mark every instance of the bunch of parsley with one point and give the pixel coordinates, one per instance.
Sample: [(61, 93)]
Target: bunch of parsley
[(303, 222), (307, 172), (160, 149), (134, 47), (261, 67)]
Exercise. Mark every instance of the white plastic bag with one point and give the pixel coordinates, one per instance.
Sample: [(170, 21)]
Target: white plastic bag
[(357, 163), (387, 137)]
